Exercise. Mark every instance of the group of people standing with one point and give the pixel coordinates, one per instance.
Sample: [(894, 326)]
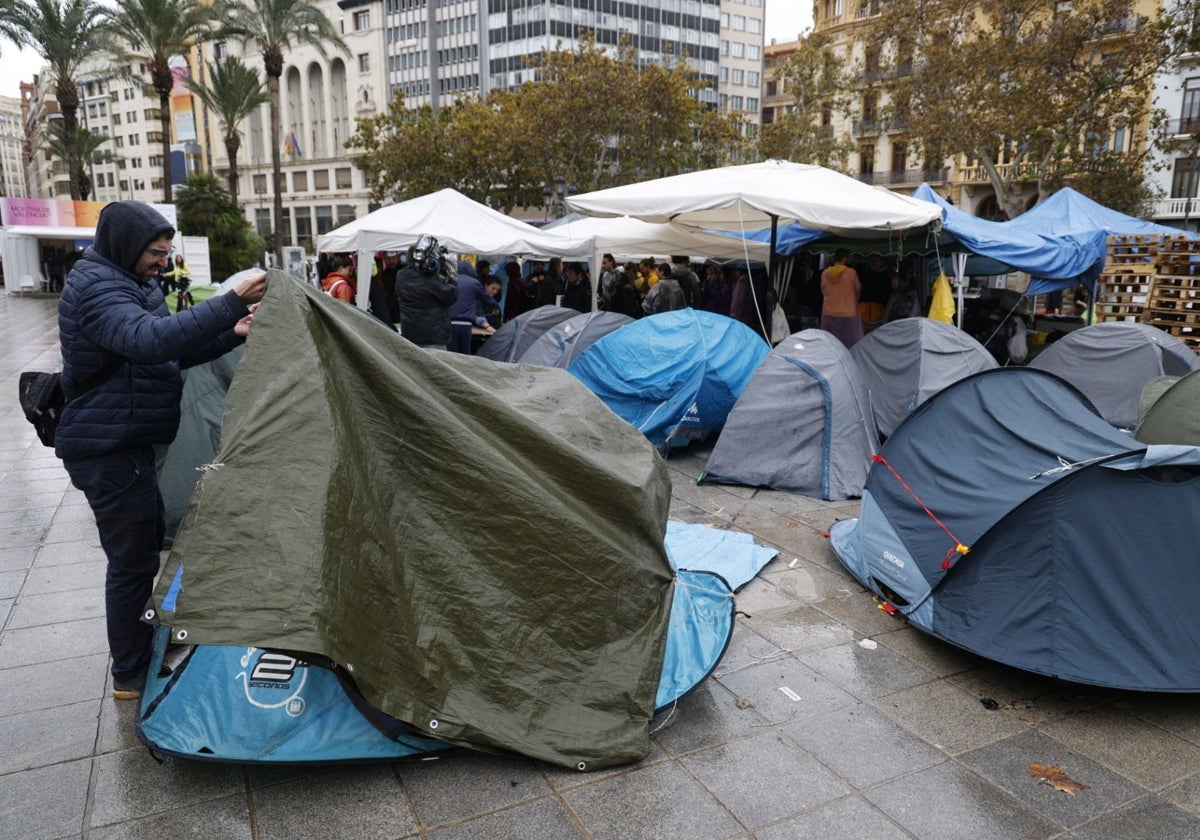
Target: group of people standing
[(434, 301), (856, 300), (437, 302)]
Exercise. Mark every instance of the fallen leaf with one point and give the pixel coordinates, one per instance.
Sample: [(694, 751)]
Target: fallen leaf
[(1056, 777), (793, 524), (743, 703)]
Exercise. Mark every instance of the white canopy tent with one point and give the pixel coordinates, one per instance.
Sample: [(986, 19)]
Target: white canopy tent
[(745, 198), (458, 223), (742, 198), (626, 238)]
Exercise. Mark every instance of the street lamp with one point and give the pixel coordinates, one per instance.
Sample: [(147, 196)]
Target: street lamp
[(554, 198)]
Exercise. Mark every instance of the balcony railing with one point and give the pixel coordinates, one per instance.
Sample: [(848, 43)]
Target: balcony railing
[(1177, 208), (1183, 126), (979, 175), (863, 128), (913, 177)]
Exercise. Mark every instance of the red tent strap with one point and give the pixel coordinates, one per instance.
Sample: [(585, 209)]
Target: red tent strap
[(958, 548)]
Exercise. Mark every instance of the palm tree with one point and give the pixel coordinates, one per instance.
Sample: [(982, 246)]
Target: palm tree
[(277, 25), (63, 33), (87, 147), (157, 31), (233, 93)]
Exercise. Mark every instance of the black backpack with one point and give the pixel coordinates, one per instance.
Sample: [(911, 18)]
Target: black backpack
[(42, 400)]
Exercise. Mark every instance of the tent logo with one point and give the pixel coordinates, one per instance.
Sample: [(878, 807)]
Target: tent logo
[(893, 559), (274, 681)]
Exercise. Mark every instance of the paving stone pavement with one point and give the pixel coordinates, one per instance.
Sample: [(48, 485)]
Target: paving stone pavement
[(885, 740)]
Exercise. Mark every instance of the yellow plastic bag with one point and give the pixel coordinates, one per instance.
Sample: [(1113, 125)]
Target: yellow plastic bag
[(941, 308)]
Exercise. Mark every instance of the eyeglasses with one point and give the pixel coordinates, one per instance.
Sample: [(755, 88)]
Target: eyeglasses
[(159, 253)]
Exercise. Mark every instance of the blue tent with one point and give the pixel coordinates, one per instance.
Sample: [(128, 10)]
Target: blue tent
[(673, 376), (1006, 516)]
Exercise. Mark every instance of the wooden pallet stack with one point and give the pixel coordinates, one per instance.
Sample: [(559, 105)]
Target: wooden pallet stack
[(1153, 279)]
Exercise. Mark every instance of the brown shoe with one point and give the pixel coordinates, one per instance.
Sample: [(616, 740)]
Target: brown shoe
[(128, 689)]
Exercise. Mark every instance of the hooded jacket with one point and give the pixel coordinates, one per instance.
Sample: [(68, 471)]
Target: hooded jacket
[(473, 300), (122, 351)]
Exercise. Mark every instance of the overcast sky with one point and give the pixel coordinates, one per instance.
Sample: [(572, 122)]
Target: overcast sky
[(785, 19)]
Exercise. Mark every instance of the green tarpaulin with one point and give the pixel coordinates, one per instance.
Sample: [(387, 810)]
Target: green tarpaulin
[(479, 546)]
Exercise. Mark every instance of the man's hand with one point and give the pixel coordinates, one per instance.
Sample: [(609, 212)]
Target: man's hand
[(251, 289), (242, 327)]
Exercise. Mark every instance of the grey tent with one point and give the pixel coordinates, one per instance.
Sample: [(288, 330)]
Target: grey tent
[(905, 362), (1111, 363), (1009, 518), (1175, 416), (195, 444), (803, 423), (562, 343), (335, 527), (516, 336)]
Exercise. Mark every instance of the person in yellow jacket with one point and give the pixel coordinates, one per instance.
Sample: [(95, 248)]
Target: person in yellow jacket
[(841, 288), (178, 276)]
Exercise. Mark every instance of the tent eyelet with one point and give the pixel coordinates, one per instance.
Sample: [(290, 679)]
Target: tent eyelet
[(181, 635), (581, 766), (433, 724)]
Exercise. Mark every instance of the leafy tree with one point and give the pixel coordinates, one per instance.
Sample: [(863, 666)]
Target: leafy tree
[(1030, 91), (63, 33), (592, 119), (234, 91), (205, 209), (276, 26), (87, 147), (157, 31), (820, 83)]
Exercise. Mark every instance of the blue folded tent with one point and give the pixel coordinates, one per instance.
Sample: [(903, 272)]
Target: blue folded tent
[(1007, 517), (673, 376), (251, 705)]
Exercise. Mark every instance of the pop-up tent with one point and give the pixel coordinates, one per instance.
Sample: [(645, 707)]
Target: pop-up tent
[(674, 376), (1111, 363), (905, 362), (1174, 417), (565, 341), (628, 238), (514, 337), (332, 527), (803, 423), (1009, 518)]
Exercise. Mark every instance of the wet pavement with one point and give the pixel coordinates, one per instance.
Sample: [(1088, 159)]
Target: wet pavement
[(826, 719)]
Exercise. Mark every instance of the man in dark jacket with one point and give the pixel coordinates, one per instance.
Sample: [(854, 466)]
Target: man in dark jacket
[(425, 295), (122, 354), (466, 312)]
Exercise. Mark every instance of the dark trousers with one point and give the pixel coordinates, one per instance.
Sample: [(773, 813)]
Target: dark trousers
[(460, 338), (122, 490)]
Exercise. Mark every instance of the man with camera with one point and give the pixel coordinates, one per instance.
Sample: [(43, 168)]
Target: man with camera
[(425, 293)]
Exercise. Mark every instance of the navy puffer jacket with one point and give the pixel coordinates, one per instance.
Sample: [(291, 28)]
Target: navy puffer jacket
[(122, 350)]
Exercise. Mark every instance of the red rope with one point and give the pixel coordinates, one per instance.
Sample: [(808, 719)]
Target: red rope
[(958, 546)]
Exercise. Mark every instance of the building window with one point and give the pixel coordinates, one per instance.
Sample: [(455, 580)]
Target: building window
[(260, 184), (899, 158), (739, 76), (739, 49), (300, 181), (739, 23), (320, 180), (1184, 179), (753, 52), (362, 20), (364, 62), (1189, 115), (866, 160), (220, 50), (262, 222), (342, 176), (324, 219)]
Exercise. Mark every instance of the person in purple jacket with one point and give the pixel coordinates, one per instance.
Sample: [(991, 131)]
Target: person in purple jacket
[(122, 353)]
